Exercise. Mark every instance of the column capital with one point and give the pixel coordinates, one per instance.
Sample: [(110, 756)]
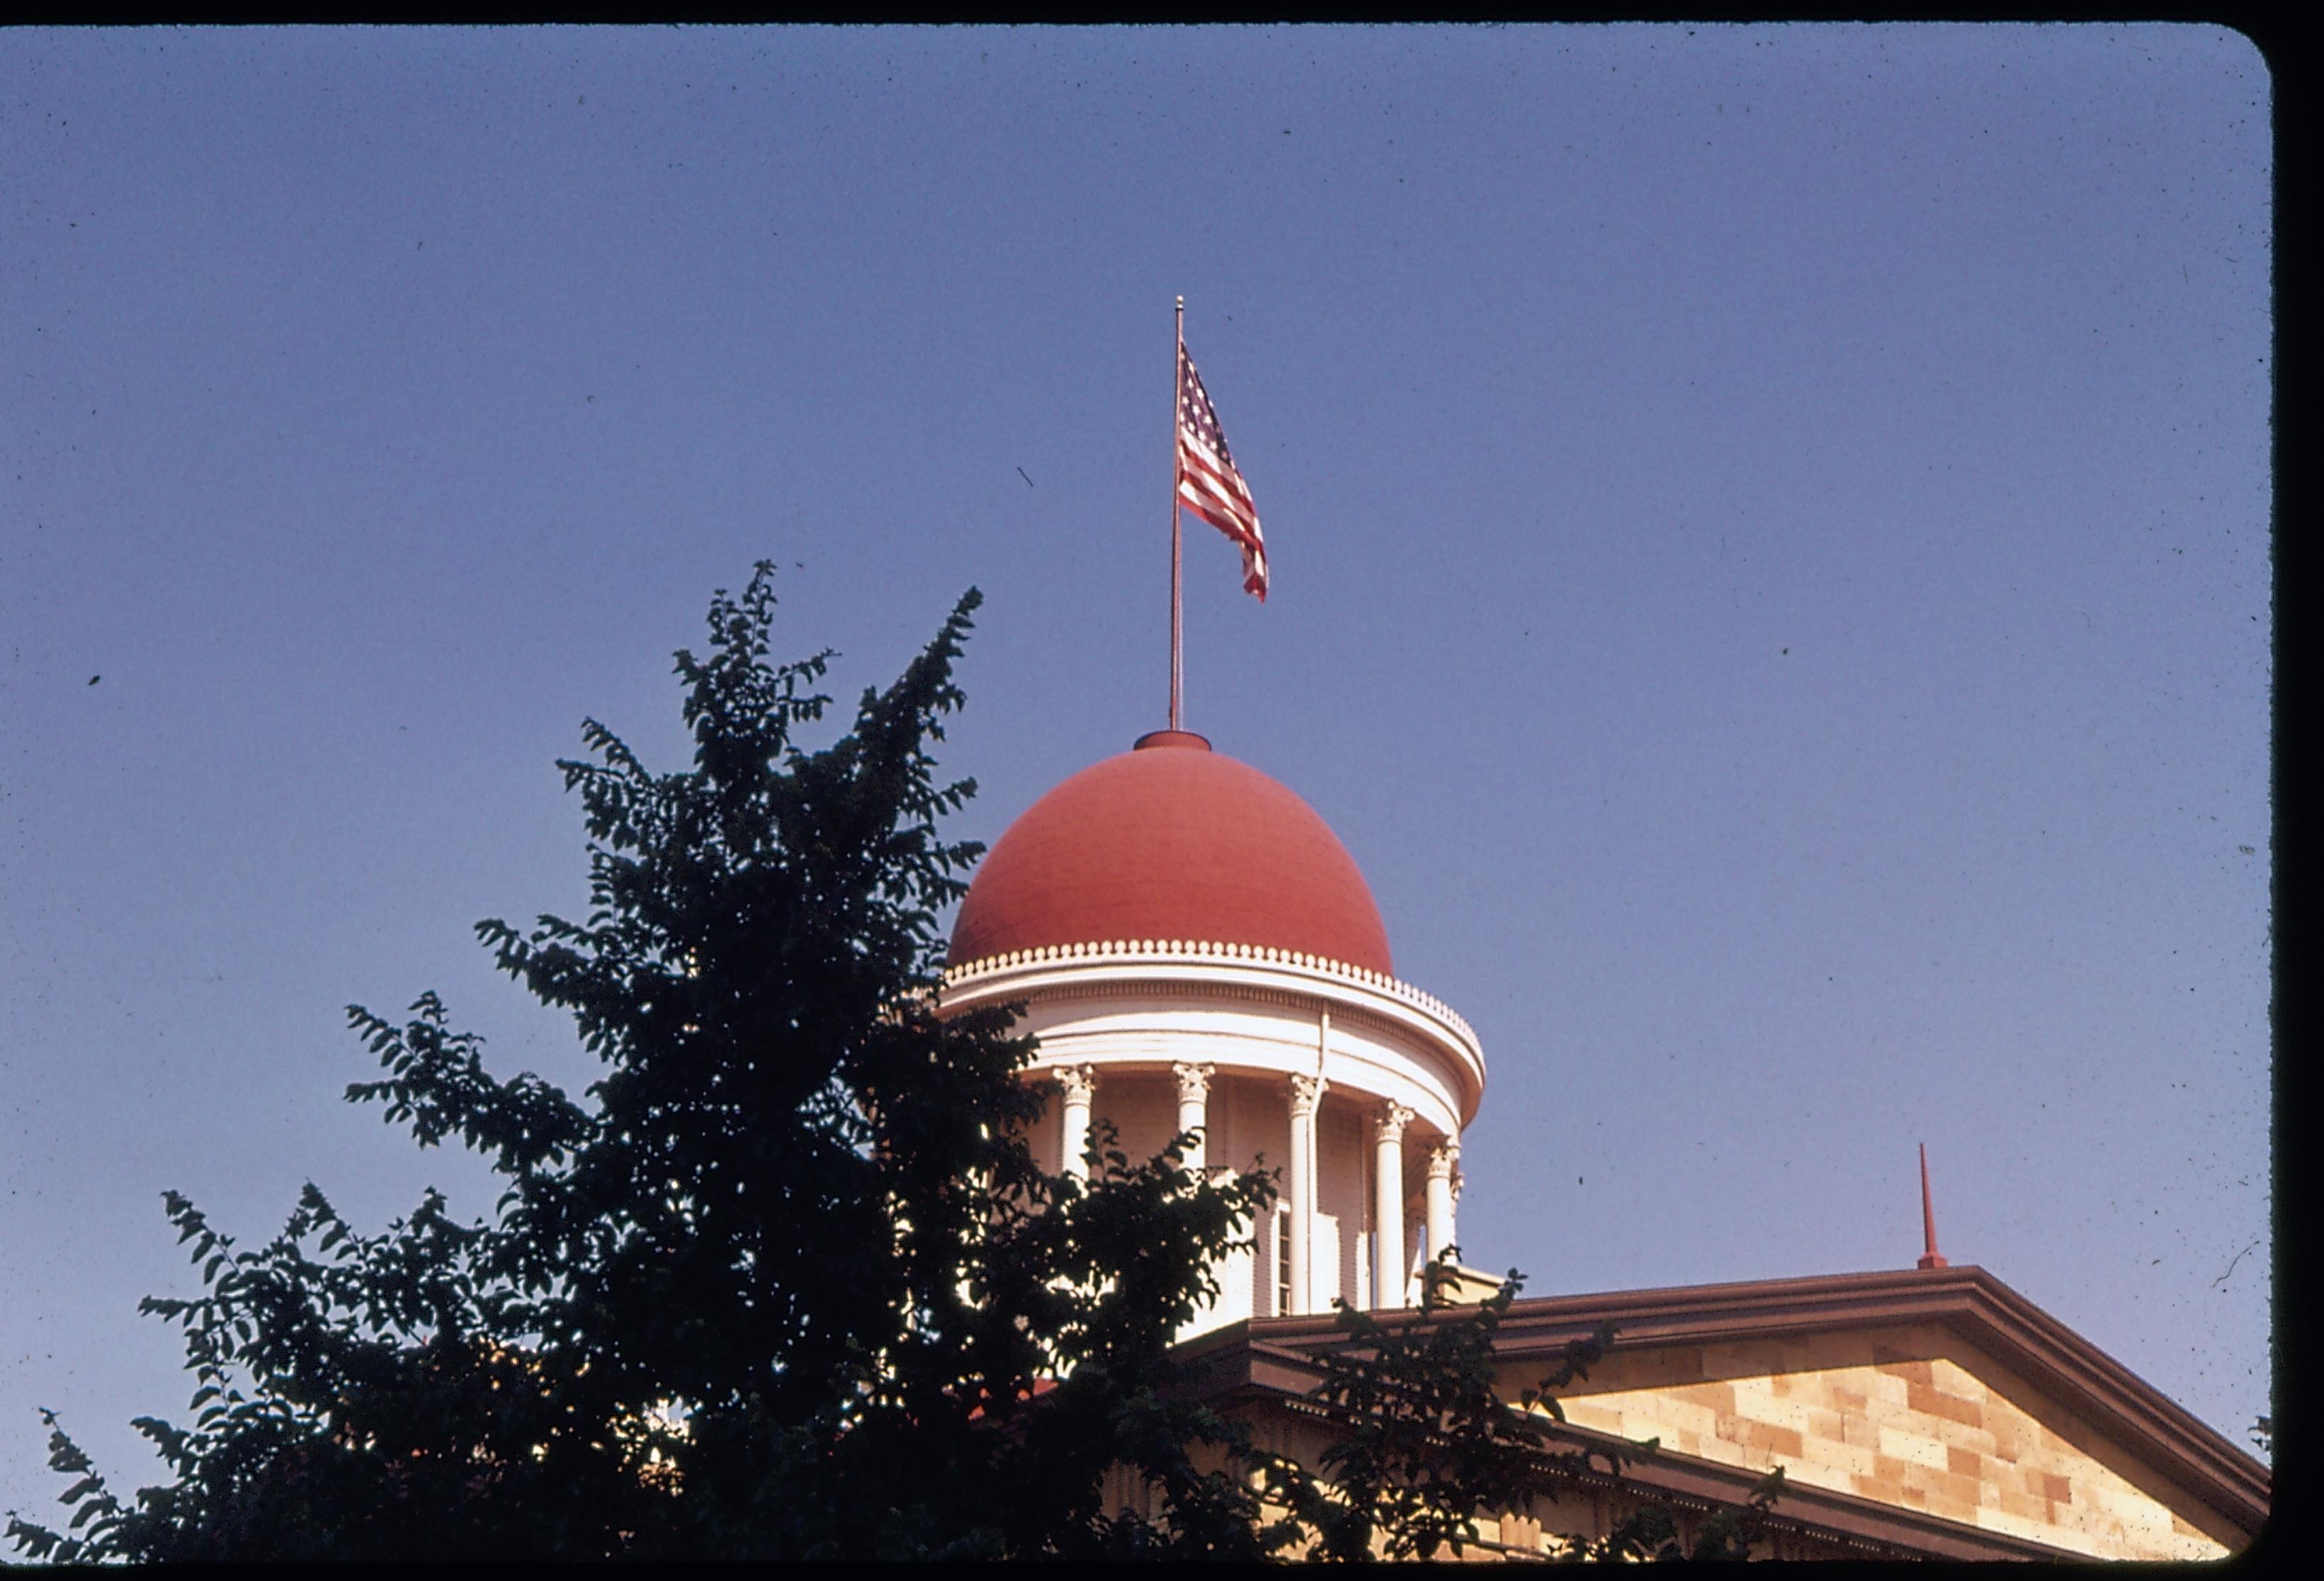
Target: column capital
[(1444, 1159), (1077, 1082), (1193, 1080), (1306, 1091), (1389, 1123)]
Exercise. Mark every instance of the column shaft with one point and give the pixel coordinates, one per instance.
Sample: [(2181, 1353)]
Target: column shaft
[(1306, 1091), (1076, 1083), (1389, 1276), (1194, 1110), (1442, 1157)]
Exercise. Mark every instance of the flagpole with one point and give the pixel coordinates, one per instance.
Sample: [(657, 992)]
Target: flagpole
[(1177, 649)]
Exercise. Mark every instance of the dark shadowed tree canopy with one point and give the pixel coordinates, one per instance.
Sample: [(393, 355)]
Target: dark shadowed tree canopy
[(785, 1281)]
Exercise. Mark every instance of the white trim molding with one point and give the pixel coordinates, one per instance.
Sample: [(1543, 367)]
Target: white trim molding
[(1153, 1003)]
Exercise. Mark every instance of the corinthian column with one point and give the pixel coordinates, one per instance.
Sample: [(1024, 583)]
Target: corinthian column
[(1389, 1279), (1306, 1091), (1442, 1159), (1195, 1108), (1076, 1083)]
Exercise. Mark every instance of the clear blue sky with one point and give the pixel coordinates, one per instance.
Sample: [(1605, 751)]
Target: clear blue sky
[(1771, 582)]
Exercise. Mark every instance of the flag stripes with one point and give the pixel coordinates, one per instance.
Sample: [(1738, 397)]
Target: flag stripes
[(1209, 484)]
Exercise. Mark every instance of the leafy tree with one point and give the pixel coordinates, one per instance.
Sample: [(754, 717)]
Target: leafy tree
[(1430, 1442), (785, 1281)]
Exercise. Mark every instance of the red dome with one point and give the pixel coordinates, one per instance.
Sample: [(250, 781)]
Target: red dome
[(1171, 840)]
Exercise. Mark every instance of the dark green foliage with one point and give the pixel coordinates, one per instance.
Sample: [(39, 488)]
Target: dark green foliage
[(1431, 1442), (784, 1281), (779, 1284)]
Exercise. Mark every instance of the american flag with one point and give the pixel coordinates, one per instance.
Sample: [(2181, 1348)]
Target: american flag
[(1208, 484)]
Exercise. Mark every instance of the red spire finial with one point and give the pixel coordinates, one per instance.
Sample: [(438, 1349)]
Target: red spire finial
[(1929, 1259)]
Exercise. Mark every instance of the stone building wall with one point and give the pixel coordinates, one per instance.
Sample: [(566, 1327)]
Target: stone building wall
[(1911, 1417)]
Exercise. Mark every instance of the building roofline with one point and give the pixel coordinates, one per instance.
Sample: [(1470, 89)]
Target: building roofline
[(1967, 1298)]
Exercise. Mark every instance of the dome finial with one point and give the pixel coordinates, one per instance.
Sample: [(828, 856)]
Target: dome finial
[(1186, 738)]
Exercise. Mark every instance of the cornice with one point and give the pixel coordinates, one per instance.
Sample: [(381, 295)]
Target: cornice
[(1081, 969), (1176, 951)]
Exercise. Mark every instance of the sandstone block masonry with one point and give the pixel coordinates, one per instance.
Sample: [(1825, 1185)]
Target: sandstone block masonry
[(1909, 1416)]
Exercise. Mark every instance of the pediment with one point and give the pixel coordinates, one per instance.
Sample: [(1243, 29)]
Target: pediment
[(1932, 1411), (1939, 1391), (1911, 1416)]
